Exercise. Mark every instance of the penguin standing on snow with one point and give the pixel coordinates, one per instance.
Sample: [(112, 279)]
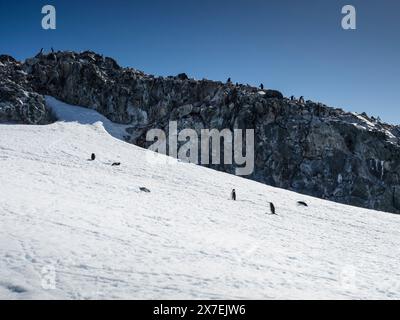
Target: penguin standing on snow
[(272, 207), (233, 195), (93, 157)]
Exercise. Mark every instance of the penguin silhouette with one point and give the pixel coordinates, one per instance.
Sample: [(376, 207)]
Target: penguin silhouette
[(272, 207), (233, 195), (302, 203), (40, 53)]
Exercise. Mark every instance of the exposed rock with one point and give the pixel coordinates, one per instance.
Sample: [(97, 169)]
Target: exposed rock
[(18, 102), (182, 76), (308, 147)]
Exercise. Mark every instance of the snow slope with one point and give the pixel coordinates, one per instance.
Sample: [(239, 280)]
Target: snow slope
[(75, 229)]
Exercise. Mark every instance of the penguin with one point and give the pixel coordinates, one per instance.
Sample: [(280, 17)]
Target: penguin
[(301, 99), (261, 86), (116, 164), (292, 98), (93, 157), (272, 207), (229, 80), (233, 195), (40, 53), (302, 203)]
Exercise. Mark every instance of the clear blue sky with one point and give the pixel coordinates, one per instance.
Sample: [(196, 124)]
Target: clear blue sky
[(297, 47)]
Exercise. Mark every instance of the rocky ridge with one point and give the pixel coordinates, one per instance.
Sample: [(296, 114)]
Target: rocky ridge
[(305, 147)]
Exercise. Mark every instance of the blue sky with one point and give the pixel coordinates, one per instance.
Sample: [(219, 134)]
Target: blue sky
[(297, 47)]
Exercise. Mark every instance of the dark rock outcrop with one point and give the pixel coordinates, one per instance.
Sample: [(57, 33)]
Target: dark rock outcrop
[(19, 103), (306, 147)]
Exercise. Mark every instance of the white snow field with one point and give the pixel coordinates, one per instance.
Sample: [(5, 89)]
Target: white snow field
[(76, 229)]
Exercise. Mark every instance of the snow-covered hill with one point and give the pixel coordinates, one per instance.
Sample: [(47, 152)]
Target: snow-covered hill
[(76, 229), (302, 146)]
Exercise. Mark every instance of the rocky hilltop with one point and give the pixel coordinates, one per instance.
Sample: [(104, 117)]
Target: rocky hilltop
[(305, 147)]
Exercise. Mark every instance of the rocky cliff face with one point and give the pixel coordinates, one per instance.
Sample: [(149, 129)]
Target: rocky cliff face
[(18, 101), (306, 147)]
